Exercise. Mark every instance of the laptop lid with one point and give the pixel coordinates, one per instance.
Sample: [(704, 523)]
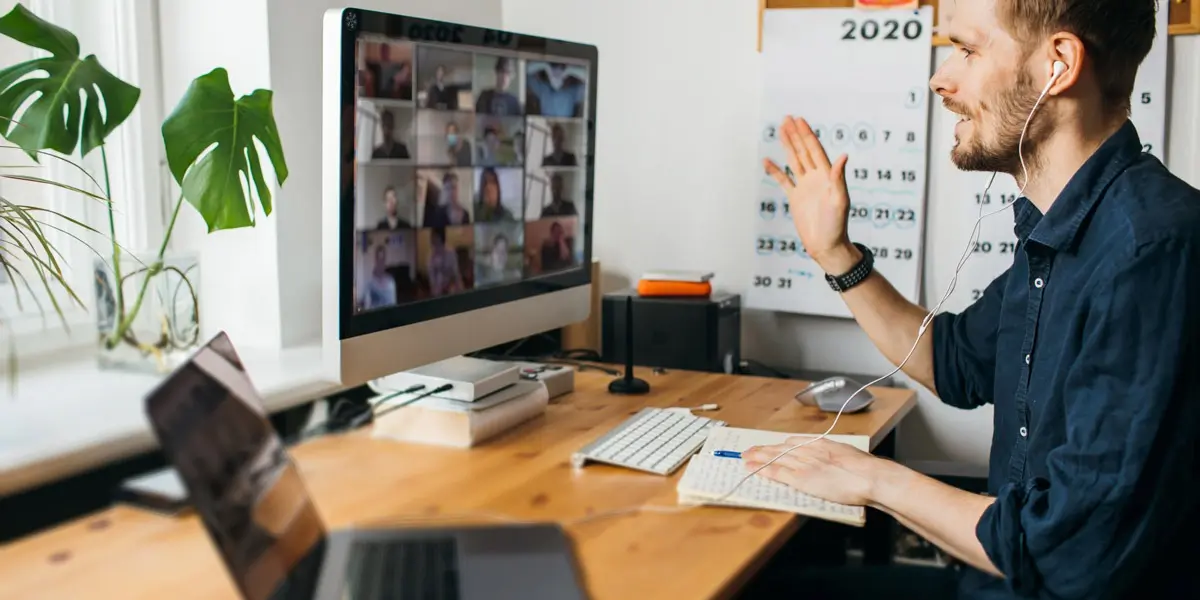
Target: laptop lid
[(211, 425)]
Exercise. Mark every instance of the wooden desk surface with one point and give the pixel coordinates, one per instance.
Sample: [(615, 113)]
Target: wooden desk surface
[(123, 552)]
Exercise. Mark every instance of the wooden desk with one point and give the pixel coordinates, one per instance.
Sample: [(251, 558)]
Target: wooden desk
[(124, 552)]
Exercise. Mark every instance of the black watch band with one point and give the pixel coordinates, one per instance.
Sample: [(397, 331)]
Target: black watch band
[(855, 275)]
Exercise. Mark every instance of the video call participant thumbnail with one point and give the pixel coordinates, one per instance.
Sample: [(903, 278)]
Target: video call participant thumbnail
[(556, 201), (555, 89), (445, 138), (384, 268), (498, 195), (385, 197), (497, 100), (445, 197), (389, 147), (446, 259), (388, 72), (392, 219), (447, 78), (501, 141), (499, 253), (560, 155), (550, 245)]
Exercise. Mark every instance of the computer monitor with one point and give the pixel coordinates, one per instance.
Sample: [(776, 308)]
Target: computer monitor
[(457, 197)]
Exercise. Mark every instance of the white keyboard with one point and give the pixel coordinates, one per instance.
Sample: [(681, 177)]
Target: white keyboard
[(655, 440)]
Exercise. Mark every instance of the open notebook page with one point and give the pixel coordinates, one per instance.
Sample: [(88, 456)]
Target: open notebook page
[(708, 479)]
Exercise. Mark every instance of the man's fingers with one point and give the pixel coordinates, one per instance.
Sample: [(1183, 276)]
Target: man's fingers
[(838, 173), (777, 174), (787, 137), (812, 146), (796, 143)]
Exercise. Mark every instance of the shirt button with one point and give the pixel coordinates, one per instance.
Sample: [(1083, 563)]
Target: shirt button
[(1026, 359), (1024, 432), (1038, 283)]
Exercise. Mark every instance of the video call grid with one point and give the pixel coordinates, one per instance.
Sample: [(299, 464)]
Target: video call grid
[(469, 167)]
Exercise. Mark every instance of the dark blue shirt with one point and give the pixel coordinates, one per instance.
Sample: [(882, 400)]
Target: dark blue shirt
[(1089, 348)]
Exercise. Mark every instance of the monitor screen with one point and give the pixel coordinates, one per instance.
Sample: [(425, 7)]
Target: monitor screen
[(471, 173)]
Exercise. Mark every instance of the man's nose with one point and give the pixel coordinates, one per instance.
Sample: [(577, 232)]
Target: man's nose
[(941, 83)]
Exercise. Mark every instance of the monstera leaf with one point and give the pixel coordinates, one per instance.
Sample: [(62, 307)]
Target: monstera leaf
[(58, 118), (211, 150)]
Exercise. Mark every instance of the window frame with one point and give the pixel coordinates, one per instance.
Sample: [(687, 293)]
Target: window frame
[(124, 35)]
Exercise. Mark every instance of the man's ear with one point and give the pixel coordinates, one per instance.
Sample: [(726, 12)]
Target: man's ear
[(1068, 49)]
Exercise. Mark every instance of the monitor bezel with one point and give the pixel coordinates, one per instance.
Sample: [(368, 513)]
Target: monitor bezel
[(360, 22)]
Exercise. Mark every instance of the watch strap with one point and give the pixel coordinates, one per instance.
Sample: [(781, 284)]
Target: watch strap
[(857, 274)]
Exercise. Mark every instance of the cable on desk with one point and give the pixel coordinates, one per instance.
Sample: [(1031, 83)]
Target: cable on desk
[(372, 414), (328, 424)]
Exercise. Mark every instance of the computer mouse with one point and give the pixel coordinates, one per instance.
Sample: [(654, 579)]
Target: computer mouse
[(831, 394)]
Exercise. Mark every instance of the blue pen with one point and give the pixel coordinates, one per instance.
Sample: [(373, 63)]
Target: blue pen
[(726, 454)]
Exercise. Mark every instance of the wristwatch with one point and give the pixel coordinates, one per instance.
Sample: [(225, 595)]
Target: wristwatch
[(856, 274)]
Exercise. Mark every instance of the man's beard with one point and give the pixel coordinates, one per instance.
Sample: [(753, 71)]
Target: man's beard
[(1008, 114)]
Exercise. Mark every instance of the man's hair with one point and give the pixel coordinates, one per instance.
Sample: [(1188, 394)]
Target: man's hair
[(1117, 35), (501, 64)]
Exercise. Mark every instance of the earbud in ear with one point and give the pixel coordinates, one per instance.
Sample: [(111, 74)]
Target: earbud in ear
[(1060, 67)]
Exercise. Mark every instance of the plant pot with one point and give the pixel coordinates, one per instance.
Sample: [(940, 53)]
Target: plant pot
[(159, 332)]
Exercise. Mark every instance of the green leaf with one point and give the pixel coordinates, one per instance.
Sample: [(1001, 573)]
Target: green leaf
[(210, 147), (58, 118)]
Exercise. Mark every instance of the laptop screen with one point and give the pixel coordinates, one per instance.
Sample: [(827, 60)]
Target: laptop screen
[(251, 498)]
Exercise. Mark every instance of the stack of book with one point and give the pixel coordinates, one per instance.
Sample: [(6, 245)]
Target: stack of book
[(487, 399), (691, 284)]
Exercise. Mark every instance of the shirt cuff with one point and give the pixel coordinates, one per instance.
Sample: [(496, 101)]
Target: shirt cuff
[(947, 378), (1002, 536)]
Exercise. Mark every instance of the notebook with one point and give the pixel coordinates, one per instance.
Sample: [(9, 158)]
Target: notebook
[(708, 478)]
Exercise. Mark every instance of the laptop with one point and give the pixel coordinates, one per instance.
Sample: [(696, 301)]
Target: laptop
[(253, 502)]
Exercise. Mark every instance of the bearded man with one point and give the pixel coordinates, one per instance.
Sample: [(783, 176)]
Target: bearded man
[(1087, 346)]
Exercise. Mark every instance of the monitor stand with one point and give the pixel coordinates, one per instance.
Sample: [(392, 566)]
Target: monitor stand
[(629, 385)]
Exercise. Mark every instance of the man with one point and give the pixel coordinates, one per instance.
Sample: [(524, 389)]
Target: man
[(559, 157), (392, 220), (559, 206), (381, 287), (493, 264), (458, 147), (498, 101), (492, 152), (556, 250), (449, 210), (439, 94), (389, 147), (1087, 345), (555, 90), (395, 80), (444, 274)]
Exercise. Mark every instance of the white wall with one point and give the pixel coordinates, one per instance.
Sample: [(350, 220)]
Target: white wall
[(676, 164), (273, 44)]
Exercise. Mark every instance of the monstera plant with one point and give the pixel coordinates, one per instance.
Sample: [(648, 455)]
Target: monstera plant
[(62, 103)]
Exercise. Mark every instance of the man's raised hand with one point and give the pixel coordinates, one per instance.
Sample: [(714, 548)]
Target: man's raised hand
[(817, 194)]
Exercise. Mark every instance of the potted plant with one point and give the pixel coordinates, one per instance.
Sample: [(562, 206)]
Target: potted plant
[(147, 304)]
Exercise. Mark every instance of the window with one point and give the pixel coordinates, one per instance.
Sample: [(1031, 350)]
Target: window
[(123, 34)]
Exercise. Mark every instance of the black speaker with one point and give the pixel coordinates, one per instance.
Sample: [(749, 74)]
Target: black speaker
[(696, 334)]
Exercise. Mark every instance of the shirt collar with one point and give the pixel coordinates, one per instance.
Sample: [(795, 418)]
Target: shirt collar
[(1060, 227)]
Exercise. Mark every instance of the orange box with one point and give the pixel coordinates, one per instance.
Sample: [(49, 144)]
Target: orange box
[(649, 287)]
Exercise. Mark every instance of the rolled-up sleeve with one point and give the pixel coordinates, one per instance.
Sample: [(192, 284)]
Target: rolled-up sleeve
[(1123, 478), (964, 349)]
